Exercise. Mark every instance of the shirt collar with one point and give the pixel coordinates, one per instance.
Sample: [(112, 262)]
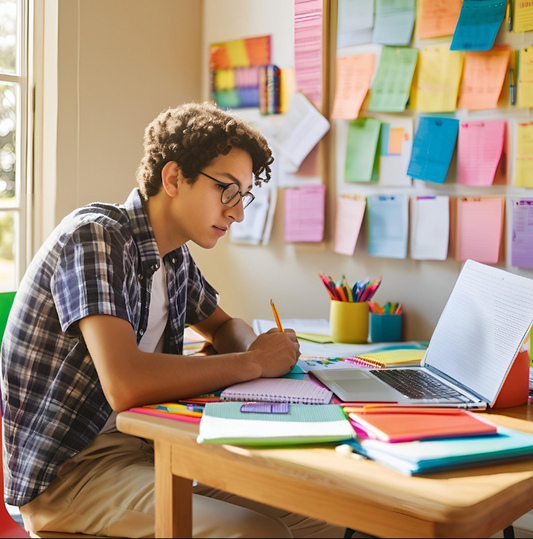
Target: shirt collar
[(142, 229)]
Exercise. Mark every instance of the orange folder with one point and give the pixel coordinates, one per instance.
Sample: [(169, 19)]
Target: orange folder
[(405, 425)]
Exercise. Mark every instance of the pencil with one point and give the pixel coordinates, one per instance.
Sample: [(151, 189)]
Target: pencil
[(276, 316)]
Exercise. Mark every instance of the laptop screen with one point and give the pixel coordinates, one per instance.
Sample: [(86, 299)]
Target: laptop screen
[(484, 323)]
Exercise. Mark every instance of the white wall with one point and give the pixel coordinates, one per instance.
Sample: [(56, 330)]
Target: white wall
[(115, 65)]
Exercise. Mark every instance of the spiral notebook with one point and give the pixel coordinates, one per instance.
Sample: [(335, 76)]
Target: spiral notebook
[(278, 390), (387, 359)]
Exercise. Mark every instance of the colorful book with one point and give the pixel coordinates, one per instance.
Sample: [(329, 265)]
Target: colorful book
[(225, 423), (388, 358), (277, 390)]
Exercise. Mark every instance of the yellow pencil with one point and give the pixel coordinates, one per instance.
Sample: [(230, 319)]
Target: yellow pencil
[(276, 316)]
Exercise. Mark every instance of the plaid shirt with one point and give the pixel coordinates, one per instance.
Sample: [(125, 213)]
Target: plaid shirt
[(99, 260)]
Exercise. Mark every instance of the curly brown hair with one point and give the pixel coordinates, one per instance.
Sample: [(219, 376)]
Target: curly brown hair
[(192, 135)]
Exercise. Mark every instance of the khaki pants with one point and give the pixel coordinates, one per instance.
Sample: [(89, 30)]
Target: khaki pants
[(108, 489)]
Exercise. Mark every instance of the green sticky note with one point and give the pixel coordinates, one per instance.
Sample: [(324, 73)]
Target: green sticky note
[(390, 91), (361, 155)]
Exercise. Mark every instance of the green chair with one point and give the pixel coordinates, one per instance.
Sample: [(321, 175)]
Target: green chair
[(6, 302)]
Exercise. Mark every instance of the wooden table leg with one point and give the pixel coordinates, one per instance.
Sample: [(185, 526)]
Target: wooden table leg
[(173, 497)]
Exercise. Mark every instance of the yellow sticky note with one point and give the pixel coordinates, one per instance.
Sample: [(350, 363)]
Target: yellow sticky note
[(237, 53), (525, 78), (396, 136), (224, 79), (524, 155), (436, 81), (523, 16)]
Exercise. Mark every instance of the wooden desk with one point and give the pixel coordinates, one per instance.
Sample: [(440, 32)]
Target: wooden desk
[(319, 482)]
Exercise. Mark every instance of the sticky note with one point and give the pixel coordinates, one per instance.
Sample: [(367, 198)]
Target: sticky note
[(430, 227), (394, 21), (437, 18), (258, 50), (396, 145), (478, 24), (524, 155), (390, 90), (355, 21), (483, 77), (363, 136), (237, 53), (525, 78), (304, 213), (433, 148), (436, 81), (219, 57), (396, 138), (523, 16), (224, 79), (479, 229), (349, 217), (354, 74), (388, 223), (522, 236), (480, 149)]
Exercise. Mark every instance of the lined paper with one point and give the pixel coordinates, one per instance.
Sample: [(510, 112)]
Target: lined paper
[(480, 150), (525, 78), (304, 213), (436, 81), (354, 74), (394, 22), (308, 39), (433, 149), (524, 155), (478, 25), (479, 229), (437, 18), (483, 77), (388, 222), (430, 228), (390, 90), (523, 16), (350, 213), (482, 328), (300, 131), (522, 234), (396, 144), (355, 21), (363, 136)]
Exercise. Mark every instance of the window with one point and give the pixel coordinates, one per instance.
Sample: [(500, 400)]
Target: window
[(14, 137)]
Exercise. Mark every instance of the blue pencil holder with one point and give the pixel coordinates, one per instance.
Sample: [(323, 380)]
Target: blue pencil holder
[(385, 327)]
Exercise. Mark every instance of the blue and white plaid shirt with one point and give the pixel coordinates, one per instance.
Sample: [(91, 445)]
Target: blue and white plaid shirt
[(99, 260)]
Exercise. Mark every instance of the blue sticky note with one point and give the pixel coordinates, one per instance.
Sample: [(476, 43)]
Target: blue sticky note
[(394, 22), (433, 147), (478, 25), (388, 225)]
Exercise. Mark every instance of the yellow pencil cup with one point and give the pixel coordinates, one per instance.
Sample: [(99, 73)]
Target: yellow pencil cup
[(348, 322)]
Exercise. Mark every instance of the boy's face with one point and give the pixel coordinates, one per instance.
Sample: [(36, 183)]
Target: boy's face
[(199, 214)]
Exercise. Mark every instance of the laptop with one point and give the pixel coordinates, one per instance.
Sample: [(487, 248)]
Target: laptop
[(487, 318)]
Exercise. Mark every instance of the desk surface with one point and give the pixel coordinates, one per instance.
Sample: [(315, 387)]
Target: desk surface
[(362, 495)]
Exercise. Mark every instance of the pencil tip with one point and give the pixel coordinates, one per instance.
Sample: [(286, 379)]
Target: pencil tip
[(271, 302)]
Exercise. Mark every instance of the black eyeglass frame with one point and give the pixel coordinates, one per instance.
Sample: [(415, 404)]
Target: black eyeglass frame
[(249, 195)]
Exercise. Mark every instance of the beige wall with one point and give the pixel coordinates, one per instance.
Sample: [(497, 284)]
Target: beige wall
[(119, 63)]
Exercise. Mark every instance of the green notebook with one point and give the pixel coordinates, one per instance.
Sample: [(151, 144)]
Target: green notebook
[(224, 423)]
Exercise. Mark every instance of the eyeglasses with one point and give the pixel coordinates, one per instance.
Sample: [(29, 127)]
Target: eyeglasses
[(230, 191)]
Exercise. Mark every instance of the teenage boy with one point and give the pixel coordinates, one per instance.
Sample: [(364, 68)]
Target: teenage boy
[(97, 328)]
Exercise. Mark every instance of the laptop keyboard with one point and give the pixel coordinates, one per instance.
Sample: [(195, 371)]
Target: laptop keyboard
[(417, 384)]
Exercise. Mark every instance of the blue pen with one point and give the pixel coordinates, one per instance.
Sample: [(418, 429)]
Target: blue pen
[(512, 86)]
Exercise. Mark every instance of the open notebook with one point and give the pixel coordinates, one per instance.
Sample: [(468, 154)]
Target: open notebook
[(278, 390), (224, 423)]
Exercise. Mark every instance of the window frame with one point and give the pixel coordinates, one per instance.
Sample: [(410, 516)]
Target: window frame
[(21, 204)]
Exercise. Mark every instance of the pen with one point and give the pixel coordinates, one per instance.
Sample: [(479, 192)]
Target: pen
[(512, 86), (276, 316)]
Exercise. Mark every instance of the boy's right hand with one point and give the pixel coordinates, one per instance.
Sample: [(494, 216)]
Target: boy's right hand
[(276, 352)]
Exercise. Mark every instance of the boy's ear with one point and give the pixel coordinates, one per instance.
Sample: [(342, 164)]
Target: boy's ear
[(169, 178)]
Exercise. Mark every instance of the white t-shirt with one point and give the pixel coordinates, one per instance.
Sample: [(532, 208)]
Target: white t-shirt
[(152, 340)]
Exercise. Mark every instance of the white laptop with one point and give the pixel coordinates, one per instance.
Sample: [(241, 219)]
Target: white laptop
[(487, 318)]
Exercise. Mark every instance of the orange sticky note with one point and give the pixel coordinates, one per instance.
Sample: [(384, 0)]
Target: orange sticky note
[(354, 74), (396, 136), (258, 49), (350, 213), (483, 77), (437, 18), (219, 57)]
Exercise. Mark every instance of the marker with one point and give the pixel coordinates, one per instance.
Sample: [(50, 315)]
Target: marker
[(512, 86)]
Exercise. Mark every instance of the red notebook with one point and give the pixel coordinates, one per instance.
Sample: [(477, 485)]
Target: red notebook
[(405, 425)]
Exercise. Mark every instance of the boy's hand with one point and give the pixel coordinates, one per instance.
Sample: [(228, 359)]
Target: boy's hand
[(275, 352)]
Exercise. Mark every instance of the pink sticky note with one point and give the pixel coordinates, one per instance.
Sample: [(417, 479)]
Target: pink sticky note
[(350, 213), (304, 213), (479, 229), (480, 151)]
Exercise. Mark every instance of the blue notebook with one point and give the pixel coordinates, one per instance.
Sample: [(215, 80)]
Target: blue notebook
[(412, 458)]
